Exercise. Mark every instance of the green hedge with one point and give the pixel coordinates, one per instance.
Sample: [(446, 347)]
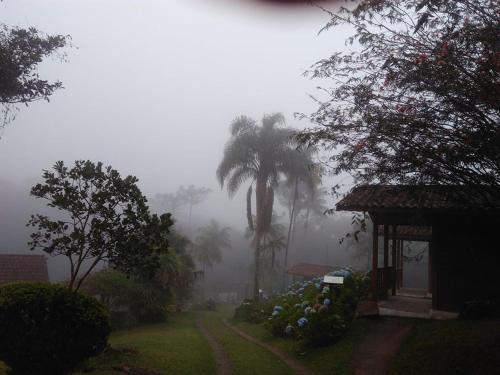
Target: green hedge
[(47, 329)]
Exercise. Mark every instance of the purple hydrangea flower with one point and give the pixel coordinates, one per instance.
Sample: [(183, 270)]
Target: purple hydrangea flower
[(302, 322)]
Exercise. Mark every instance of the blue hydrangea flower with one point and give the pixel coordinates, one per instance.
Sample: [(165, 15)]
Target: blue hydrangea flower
[(275, 312), (302, 322), (278, 308), (327, 301), (317, 285)]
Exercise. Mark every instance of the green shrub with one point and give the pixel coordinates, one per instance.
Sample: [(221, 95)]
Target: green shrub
[(208, 305), (323, 329), (131, 302), (309, 311), (251, 311), (47, 329)]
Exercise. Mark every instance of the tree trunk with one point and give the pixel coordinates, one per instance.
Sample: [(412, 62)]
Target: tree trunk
[(249, 209), (256, 289), (260, 199), (306, 223), (189, 218), (203, 288), (290, 224)]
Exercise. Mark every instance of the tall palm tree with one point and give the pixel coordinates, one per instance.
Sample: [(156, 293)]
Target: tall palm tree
[(208, 245), (261, 155), (303, 177)]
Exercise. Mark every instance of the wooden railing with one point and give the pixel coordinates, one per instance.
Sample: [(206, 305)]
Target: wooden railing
[(385, 281)]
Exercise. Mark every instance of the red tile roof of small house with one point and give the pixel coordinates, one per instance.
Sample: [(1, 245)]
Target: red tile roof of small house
[(425, 197), (15, 267), (309, 270)]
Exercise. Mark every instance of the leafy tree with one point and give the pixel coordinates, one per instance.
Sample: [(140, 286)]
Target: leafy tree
[(177, 268), (21, 50), (104, 219), (263, 155), (145, 299), (418, 99)]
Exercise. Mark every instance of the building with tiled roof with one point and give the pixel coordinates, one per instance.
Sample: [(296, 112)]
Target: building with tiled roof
[(309, 271), (424, 198), (460, 224), (14, 267)]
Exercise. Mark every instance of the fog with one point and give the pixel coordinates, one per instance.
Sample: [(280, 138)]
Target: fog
[(150, 88)]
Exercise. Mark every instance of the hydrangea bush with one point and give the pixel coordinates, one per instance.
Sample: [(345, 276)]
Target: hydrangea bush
[(312, 312)]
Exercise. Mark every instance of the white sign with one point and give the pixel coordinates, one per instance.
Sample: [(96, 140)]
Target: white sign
[(333, 279)]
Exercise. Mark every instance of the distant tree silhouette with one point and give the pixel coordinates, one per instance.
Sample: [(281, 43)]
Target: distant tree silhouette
[(208, 245), (192, 196)]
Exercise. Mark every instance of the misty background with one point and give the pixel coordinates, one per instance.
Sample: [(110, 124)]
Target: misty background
[(151, 88)]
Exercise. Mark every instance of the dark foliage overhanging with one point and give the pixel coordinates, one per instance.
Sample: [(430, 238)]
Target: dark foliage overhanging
[(21, 51), (417, 100)]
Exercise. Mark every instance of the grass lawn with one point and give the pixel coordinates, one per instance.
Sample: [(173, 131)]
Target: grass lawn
[(450, 347), (247, 358), (175, 347), (333, 359)]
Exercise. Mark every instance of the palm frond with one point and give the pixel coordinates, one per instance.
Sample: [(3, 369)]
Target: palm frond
[(241, 125), (237, 177)]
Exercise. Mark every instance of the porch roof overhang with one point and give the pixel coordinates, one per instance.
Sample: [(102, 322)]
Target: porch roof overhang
[(420, 204)]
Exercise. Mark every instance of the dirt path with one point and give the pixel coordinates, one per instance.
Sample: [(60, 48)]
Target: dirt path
[(379, 347), (221, 358), (295, 365)]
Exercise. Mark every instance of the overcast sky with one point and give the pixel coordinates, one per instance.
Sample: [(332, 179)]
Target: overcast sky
[(152, 86)]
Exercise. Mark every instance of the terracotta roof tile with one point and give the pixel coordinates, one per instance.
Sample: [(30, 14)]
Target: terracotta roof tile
[(309, 270), (427, 197), (15, 267)]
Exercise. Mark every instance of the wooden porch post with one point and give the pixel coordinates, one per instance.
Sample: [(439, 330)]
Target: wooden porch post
[(386, 245), (429, 269), (386, 277), (401, 262), (393, 259), (374, 261), (434, 270), (398, 262)]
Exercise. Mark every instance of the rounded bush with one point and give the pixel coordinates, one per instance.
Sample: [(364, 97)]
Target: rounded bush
[(47, 329)]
